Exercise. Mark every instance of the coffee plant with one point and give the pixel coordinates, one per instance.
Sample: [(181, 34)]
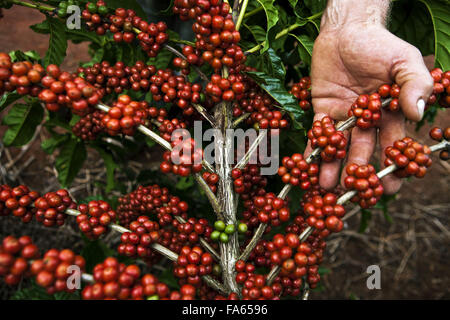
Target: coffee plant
[(245, 65)]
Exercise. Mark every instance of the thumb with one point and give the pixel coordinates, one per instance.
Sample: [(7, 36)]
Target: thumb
[(416, 83)]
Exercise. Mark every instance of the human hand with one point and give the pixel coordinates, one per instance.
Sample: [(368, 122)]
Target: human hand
[(354, 54)]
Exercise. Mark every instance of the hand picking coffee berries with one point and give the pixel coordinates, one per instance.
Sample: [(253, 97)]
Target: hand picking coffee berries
[(95, 218), (51, 207), (297, 172), (364, 180), (325, 136), (411, 157)]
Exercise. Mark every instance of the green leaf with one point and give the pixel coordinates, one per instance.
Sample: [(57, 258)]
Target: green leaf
[(18, 55), (22, 121), (185, 183), (57, 44), (305, 47), (441, 21), (7, 98), (412, 22), (257, 32), (35, 292), (95, 252), (315, 6), (275, 88), (111, 166), (272, 19), (69, 161), (163, 59), (49, 145)]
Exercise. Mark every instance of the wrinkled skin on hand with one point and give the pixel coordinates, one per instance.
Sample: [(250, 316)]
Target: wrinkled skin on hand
[(356, 59)]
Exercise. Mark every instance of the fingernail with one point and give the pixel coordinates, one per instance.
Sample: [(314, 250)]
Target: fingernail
[(421, 107)]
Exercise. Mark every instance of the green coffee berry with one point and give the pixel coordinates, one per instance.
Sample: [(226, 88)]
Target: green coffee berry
[(219, 225), (215, 235), (242, 227), (224, 237), (230, 229)]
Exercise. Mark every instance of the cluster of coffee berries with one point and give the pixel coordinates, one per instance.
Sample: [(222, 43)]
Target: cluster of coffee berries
[(302, 91), (215, 32), (95, 218), (89, 126), (184, 159), (222, 231), (55, 267), (168, 87), (150, 200), (24, 76), (118, 77), (324, 135), (297, 172), (441, 88), (410, 156), (51, 207), (192, 263), (390, 91), (15, 256), (304, 262), (63, 89), (168, 126), (249, 182), (94, 15), (125, 115), (190, 231), (17, 201), (255, 286), (114, 280), (221, 89), (211, 179), (124, 23), (324, 213), (52, 86), (364, 180), (367, 110), (439, 134), (270, 209), (143, 233)]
